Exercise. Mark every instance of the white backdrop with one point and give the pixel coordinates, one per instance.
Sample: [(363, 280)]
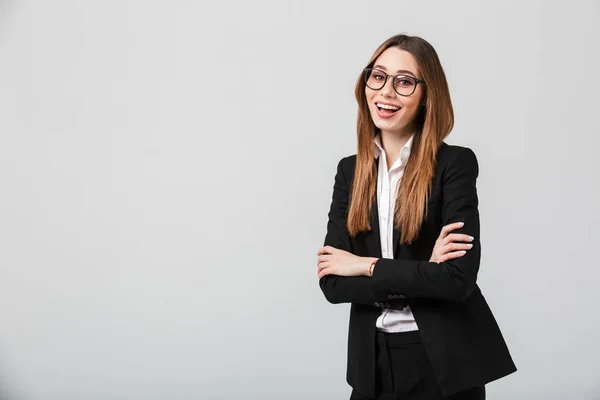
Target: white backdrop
[(167, 168)]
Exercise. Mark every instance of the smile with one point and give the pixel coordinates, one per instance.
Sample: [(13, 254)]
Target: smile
[(387, 106), (386, 110)]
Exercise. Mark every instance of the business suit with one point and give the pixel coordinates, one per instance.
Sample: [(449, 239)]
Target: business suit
[(460, 335)]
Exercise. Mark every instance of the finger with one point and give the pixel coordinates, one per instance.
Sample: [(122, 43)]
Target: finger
[(457, 246), (450, 227), (326, 250), (323, 265), (324, 257), (453, 255), (324, 271), (457, 237), (460, 237)]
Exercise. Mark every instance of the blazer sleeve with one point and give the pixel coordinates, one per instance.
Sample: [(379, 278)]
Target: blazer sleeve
[(344, 289), (455, 279)]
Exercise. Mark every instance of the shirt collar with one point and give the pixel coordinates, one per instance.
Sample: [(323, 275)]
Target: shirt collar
[(404, 152)]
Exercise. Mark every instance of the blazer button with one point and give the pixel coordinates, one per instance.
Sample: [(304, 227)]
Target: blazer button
[(387, 305), (402, 296), (377, 304), (391, 296)]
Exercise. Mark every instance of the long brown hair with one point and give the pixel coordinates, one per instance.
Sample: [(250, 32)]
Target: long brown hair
[(434, 122)]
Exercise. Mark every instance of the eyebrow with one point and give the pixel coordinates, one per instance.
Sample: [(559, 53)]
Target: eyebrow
[(400, 70)]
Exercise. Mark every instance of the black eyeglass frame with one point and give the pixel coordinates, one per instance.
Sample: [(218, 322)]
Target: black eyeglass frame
[(368, 71)]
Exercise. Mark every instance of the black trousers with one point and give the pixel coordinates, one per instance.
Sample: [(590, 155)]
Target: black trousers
[(404, 371)]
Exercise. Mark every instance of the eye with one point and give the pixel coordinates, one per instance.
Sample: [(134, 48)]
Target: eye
[(404, 81)]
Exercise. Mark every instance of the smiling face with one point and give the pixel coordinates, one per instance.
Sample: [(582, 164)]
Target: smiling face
[(400, 122)]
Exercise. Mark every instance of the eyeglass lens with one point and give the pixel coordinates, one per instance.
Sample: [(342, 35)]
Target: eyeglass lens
[(404, 84)]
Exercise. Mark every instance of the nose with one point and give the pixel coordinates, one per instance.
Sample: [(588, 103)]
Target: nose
[(388, 88)]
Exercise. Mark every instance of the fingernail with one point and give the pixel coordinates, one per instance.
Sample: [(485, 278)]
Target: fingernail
[(471, 238), (463, 252), (470, 245), (461, 223)]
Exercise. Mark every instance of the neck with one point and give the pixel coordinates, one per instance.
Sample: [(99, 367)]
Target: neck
[(392, 143)]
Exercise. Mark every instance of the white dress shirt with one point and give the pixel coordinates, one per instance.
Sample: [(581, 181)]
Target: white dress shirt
[(390, 320)]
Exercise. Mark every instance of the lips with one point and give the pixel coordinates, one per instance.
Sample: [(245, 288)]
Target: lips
[(385, 113)]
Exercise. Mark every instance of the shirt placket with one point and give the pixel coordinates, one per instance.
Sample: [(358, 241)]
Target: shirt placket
[(385, 205)]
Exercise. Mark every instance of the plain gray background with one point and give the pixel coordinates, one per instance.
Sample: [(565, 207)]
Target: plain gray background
[(167, 168)]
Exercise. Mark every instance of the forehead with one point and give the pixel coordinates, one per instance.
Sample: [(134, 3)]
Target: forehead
[(394, 59)]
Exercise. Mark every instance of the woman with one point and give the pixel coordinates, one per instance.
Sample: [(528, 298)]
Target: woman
[(402, 243)]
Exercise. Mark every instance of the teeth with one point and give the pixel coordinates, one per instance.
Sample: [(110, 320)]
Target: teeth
[(387, 107)]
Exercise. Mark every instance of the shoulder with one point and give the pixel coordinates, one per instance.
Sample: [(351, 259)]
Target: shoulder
[(346, 165), (348, 160), (453, 159)]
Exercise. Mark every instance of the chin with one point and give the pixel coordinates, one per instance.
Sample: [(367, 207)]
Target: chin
[(389, 126)]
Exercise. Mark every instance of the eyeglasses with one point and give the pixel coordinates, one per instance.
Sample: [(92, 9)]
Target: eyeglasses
[(404, 85)]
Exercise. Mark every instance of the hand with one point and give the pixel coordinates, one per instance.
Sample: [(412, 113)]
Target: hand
[(445, 247), (339, 262)]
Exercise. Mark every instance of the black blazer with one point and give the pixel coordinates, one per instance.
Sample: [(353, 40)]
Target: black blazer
[(459, 332)]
